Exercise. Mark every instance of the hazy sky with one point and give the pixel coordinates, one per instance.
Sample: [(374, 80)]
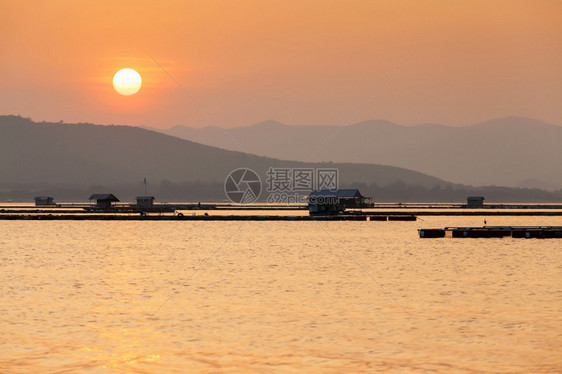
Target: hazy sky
[(298, 62)]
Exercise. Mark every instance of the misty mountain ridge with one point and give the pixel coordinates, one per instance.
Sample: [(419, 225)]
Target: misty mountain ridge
[(512, 151), (44, 155)]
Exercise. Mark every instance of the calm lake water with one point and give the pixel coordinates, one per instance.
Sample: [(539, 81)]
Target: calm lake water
[(277, 297)]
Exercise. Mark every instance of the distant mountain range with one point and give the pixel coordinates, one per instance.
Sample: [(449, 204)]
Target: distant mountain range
[(516, 152), (72, 161), (106, 158)]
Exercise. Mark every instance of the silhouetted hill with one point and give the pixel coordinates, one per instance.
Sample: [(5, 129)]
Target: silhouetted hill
[(83, 156), (517, 152)]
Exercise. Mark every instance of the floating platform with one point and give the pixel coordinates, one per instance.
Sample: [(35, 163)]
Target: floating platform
[(182, 217), (537, 232)]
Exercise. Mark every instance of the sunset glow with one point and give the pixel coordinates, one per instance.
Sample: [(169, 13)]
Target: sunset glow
[(300, 63)]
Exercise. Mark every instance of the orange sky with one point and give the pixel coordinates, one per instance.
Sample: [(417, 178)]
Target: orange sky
[(298, 62)]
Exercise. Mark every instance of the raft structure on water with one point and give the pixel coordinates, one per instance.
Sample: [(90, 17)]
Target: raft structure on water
[(527, 232), (201, 217)]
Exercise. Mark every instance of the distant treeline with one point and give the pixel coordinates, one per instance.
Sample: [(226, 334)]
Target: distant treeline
[(167, 191), (400, 192)]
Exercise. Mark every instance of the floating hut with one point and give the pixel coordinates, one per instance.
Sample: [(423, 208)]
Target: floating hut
[(475, 202), (44, 200), (104, 200), (145, 201), (335, 201)]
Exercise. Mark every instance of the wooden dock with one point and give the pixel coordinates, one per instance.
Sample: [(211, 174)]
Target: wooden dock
[(528, 232)]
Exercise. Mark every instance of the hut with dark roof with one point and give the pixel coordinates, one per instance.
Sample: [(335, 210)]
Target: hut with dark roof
[(335, 201), (104, 200)]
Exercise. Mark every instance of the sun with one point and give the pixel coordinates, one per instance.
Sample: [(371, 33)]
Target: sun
[(127, 82)]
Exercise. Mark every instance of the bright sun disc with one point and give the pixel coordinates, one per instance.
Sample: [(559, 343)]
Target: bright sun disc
[(127, 82)]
